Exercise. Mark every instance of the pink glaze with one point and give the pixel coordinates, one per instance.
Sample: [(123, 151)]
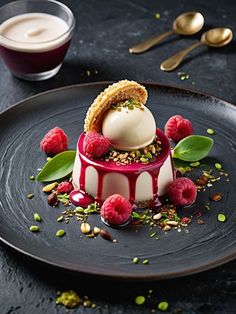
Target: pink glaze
[(131, 171), (80, 198)]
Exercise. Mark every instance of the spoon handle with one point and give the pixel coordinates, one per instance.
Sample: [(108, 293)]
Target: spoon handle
[(172, 63), (147, 44)]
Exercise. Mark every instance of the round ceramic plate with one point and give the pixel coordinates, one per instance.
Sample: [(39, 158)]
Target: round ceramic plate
[(194, 249)]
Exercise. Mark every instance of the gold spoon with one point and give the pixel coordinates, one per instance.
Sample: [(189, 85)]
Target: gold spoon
[(216, 37), (187, 23)]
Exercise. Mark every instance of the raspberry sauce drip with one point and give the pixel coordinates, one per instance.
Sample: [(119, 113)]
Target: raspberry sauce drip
[(80, 198)]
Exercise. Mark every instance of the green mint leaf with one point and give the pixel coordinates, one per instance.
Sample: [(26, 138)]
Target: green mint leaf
[(58, 167), (193, 148)]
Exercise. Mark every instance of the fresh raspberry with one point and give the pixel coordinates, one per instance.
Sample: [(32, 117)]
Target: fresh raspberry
[(116, 209), (64, 187), (95, 145), (182, 191), (177, 128), (54, 142)]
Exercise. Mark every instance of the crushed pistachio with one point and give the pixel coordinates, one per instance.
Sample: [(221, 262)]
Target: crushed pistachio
[(163, 306), (135, 260), (152, 234), (30, 196), (139, 300), (128, 104), (158, 15), (165, 219), (143, 155), (37, 217), (69, 299), (221, 217), (49, 187), (79, 213), (64, 199), (218, 166), (145, 262), (60, 218), (210, 131), (34, 228), (60, 233), (183, 76)]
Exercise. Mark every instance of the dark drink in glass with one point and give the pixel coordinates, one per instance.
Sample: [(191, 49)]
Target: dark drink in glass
[(34, 42)]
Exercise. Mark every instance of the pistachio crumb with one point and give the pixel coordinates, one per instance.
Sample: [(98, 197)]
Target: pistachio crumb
[(37, 217), (218, 166), (69, 299), (34, 228), (139, 300), (60, 233), (221, 217), (163, 306), (135, 260), (210, 131)]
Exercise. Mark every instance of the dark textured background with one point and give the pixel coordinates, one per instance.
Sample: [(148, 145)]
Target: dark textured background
[(105, 30)]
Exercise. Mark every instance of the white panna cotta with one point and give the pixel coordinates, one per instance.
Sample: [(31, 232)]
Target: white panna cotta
[(137, 182)]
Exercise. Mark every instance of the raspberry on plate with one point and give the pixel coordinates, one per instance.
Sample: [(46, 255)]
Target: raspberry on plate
[(95, 145), (116, 209), (182, 192), (54, 142), (177, 127), (64, 187)]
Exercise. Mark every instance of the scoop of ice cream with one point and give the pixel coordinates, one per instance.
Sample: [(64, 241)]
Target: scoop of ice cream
[(129, 129)]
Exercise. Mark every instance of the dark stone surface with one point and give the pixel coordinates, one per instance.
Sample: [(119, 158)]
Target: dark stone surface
[(105, 30)]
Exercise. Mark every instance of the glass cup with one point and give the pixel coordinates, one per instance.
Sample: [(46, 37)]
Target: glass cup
[(40, 59)]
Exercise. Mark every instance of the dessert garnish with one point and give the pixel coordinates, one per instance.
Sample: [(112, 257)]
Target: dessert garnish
[(57, 167), (54, 142), (80, 198), (95, 145), (163, 306), (182, 192), (210, 131), (70, 299), (64, 187), (193, 148), (177, 128), (222, 217), (143, 155), (118, 92), (116, 210)]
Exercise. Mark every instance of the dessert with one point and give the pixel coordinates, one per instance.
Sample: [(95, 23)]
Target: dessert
[(138, 164)]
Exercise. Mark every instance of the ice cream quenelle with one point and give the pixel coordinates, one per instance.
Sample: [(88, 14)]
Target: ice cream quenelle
[(121, 150)]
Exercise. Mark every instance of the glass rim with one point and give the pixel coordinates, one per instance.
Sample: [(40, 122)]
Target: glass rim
[(60, 4)]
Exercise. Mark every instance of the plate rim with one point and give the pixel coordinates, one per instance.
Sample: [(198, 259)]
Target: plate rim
[(81, 269), (205, 94)]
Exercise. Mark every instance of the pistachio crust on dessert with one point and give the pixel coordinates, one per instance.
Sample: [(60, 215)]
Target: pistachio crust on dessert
[(117, 92)]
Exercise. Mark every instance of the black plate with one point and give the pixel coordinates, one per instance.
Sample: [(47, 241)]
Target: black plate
[(198, 248)]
